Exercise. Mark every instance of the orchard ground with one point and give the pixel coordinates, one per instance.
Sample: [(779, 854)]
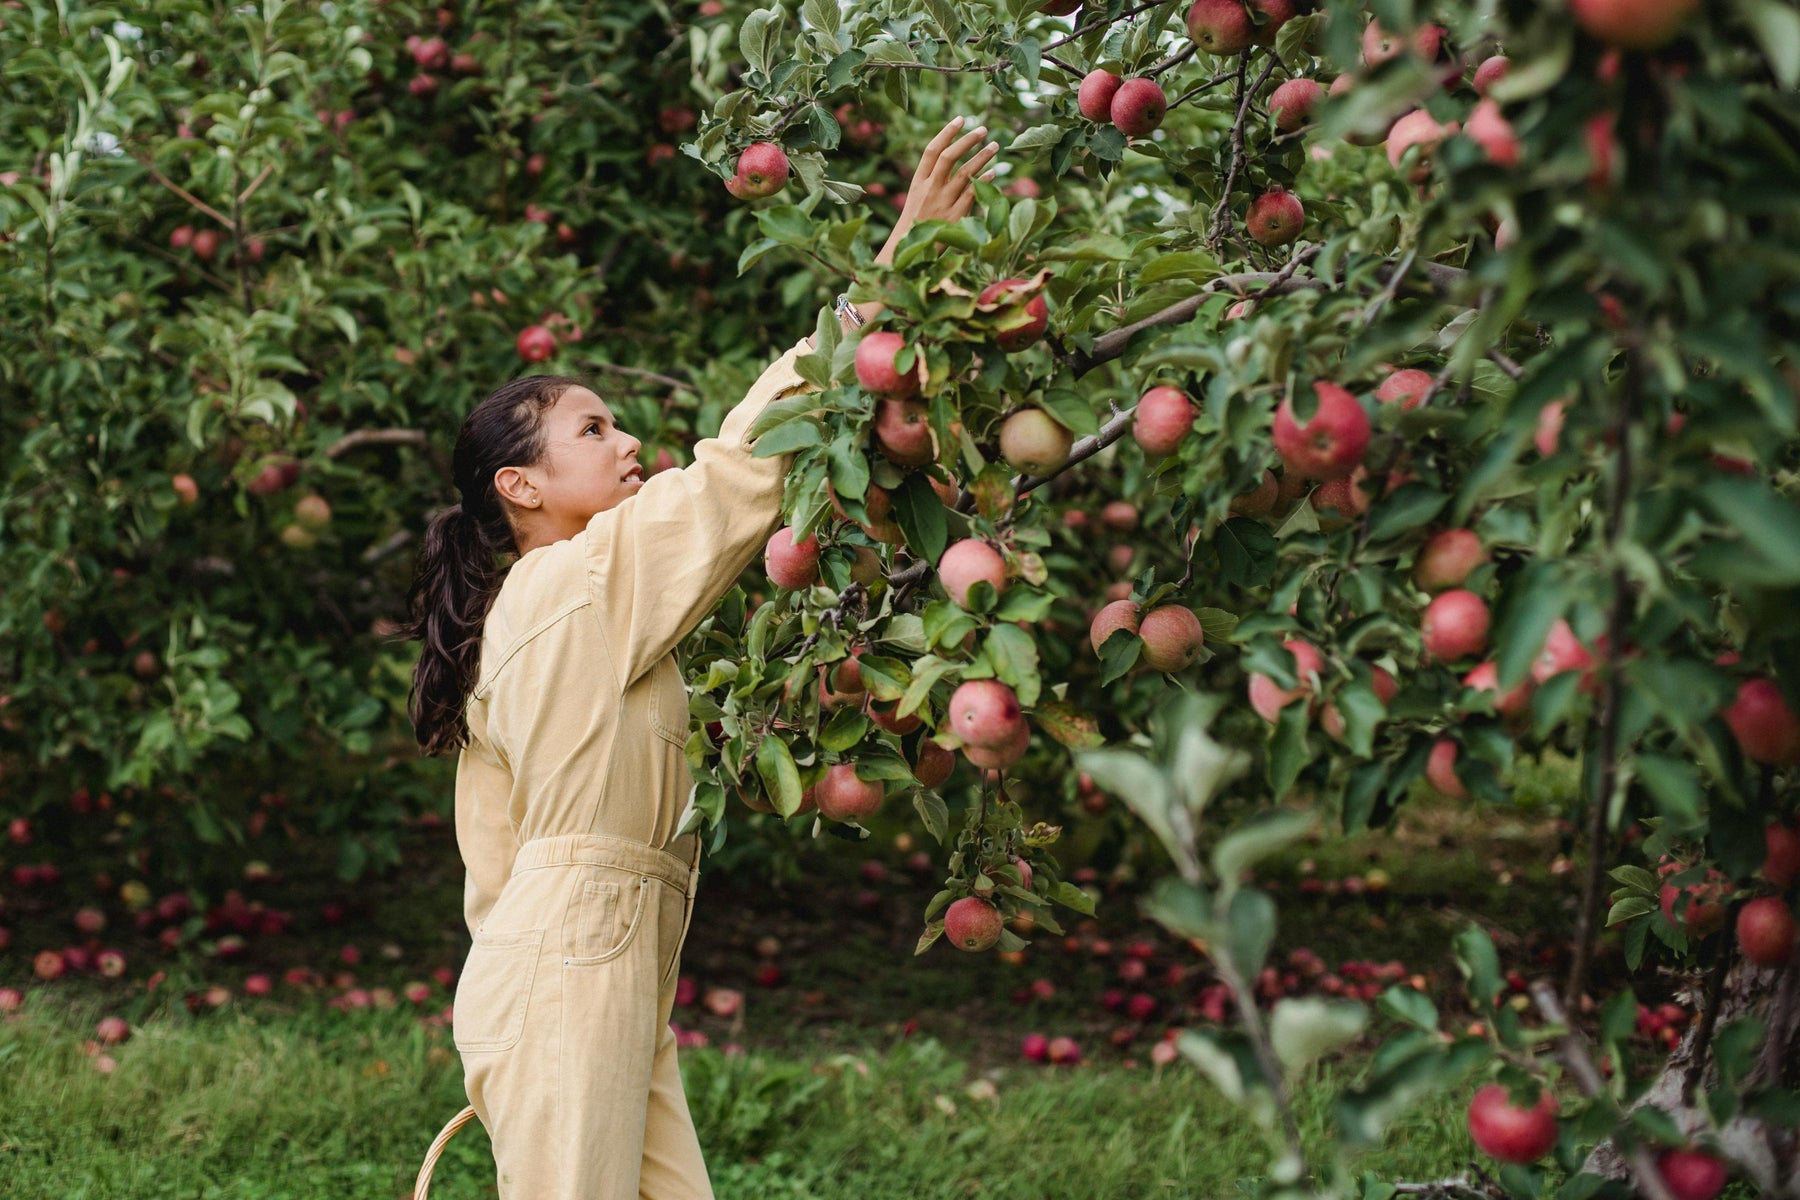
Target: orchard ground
[(778, 1087)]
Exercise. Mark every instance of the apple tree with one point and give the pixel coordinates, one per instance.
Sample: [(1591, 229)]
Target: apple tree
[(1324, 402)]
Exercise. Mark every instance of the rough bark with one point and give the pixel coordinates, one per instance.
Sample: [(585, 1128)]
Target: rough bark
[(1765, 1155)]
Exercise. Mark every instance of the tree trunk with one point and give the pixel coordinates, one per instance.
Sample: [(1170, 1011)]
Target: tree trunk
[(1767, 1155)]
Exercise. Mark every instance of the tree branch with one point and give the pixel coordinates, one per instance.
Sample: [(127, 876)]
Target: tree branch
[(1608, 742), (1572, 1049), (1221, 213), (639, 373), (192, 199)]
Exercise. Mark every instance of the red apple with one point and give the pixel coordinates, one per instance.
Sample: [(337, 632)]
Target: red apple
[(1138, 107), (431, 54), (997, 758), (1764, 724), (1417, 128), (1095, 96), (1268, 698), (1260, 499), (1025, 317), (1781, 865), (1408, 387), (1447, 559), (206, 244), (791, 565), (985, 713), (1511, 1133), (536, 343), (972, 924), (1455, 626), (1765, 931), (1490, 72), (1632, 24), (1292, 103), (841, 796), (1033, 443), (1485, 677), (968, 562), (1491, 131), (762, 170), (1275, 218), (933, 764), (1163, 419), (1120, 614), (1331, 443), (875, 369), (1563, 651), (1172, 638), (1220, 27), (903, 433), (1691, 1174), (1440, 770)]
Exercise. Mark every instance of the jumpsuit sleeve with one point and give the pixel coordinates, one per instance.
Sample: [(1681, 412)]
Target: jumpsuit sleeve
[(658, 563)]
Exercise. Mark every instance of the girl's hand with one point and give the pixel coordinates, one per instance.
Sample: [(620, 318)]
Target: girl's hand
[(942, 190)]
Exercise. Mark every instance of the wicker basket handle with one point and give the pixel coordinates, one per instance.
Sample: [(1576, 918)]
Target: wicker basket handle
[(438, 1143)]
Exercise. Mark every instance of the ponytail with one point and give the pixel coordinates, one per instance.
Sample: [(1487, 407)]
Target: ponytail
[(460, 569)]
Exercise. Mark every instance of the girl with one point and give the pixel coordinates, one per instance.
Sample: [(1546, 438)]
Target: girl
[(555, 678)]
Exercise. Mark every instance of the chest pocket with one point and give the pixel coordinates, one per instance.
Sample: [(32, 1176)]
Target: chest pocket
[(668, 702)]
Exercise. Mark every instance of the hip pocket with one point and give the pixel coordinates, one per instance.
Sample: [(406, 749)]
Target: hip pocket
[(597, 937), (495, 990)]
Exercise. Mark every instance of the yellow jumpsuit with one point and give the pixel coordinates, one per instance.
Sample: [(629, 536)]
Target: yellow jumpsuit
[(568, 797)]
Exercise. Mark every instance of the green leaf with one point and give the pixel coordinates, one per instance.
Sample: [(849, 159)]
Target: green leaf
[(1777, 27), (1231, 1068), (1303, 1029), (1181, 908), (1038, 137), (1014, 657), (1254, 841), (920, 515), (1411, 506), (1636, 877), (886, 678), (1069, 725), (1072, 410), (1415, 1008), (1118, 654), (1073, 898), (1537, 597), (1675, 784), (1289, 751), (759, 37), (1251, 923), (1140, 784), (780, 777), (1191, 264), (846, 728), (1767, 550), (1247, 552), (934, 813), (1480, 964), (1629, 909)]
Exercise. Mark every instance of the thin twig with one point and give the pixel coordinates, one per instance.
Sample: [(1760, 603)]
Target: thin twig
[(1220, 216), (192, 199), (376, 437), (1215, 81), (640, 373), (1572, 1050), (250, 191), (1508, 367), (1087, 29)]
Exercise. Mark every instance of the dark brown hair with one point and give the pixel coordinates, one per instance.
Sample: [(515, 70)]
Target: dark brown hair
[(460, 569)]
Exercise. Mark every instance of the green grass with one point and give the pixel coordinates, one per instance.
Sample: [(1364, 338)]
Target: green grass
[(315, 1103)]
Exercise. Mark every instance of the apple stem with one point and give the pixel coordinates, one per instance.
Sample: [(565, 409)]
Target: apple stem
[(1608, 744), (1572, 1049)]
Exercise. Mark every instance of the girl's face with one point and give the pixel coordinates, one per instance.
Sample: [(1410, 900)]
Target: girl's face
[(589, 465)]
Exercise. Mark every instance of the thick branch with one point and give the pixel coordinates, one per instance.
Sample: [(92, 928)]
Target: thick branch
[(1255, 284), (1572, 1049), (393, 437), (192, 199)]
